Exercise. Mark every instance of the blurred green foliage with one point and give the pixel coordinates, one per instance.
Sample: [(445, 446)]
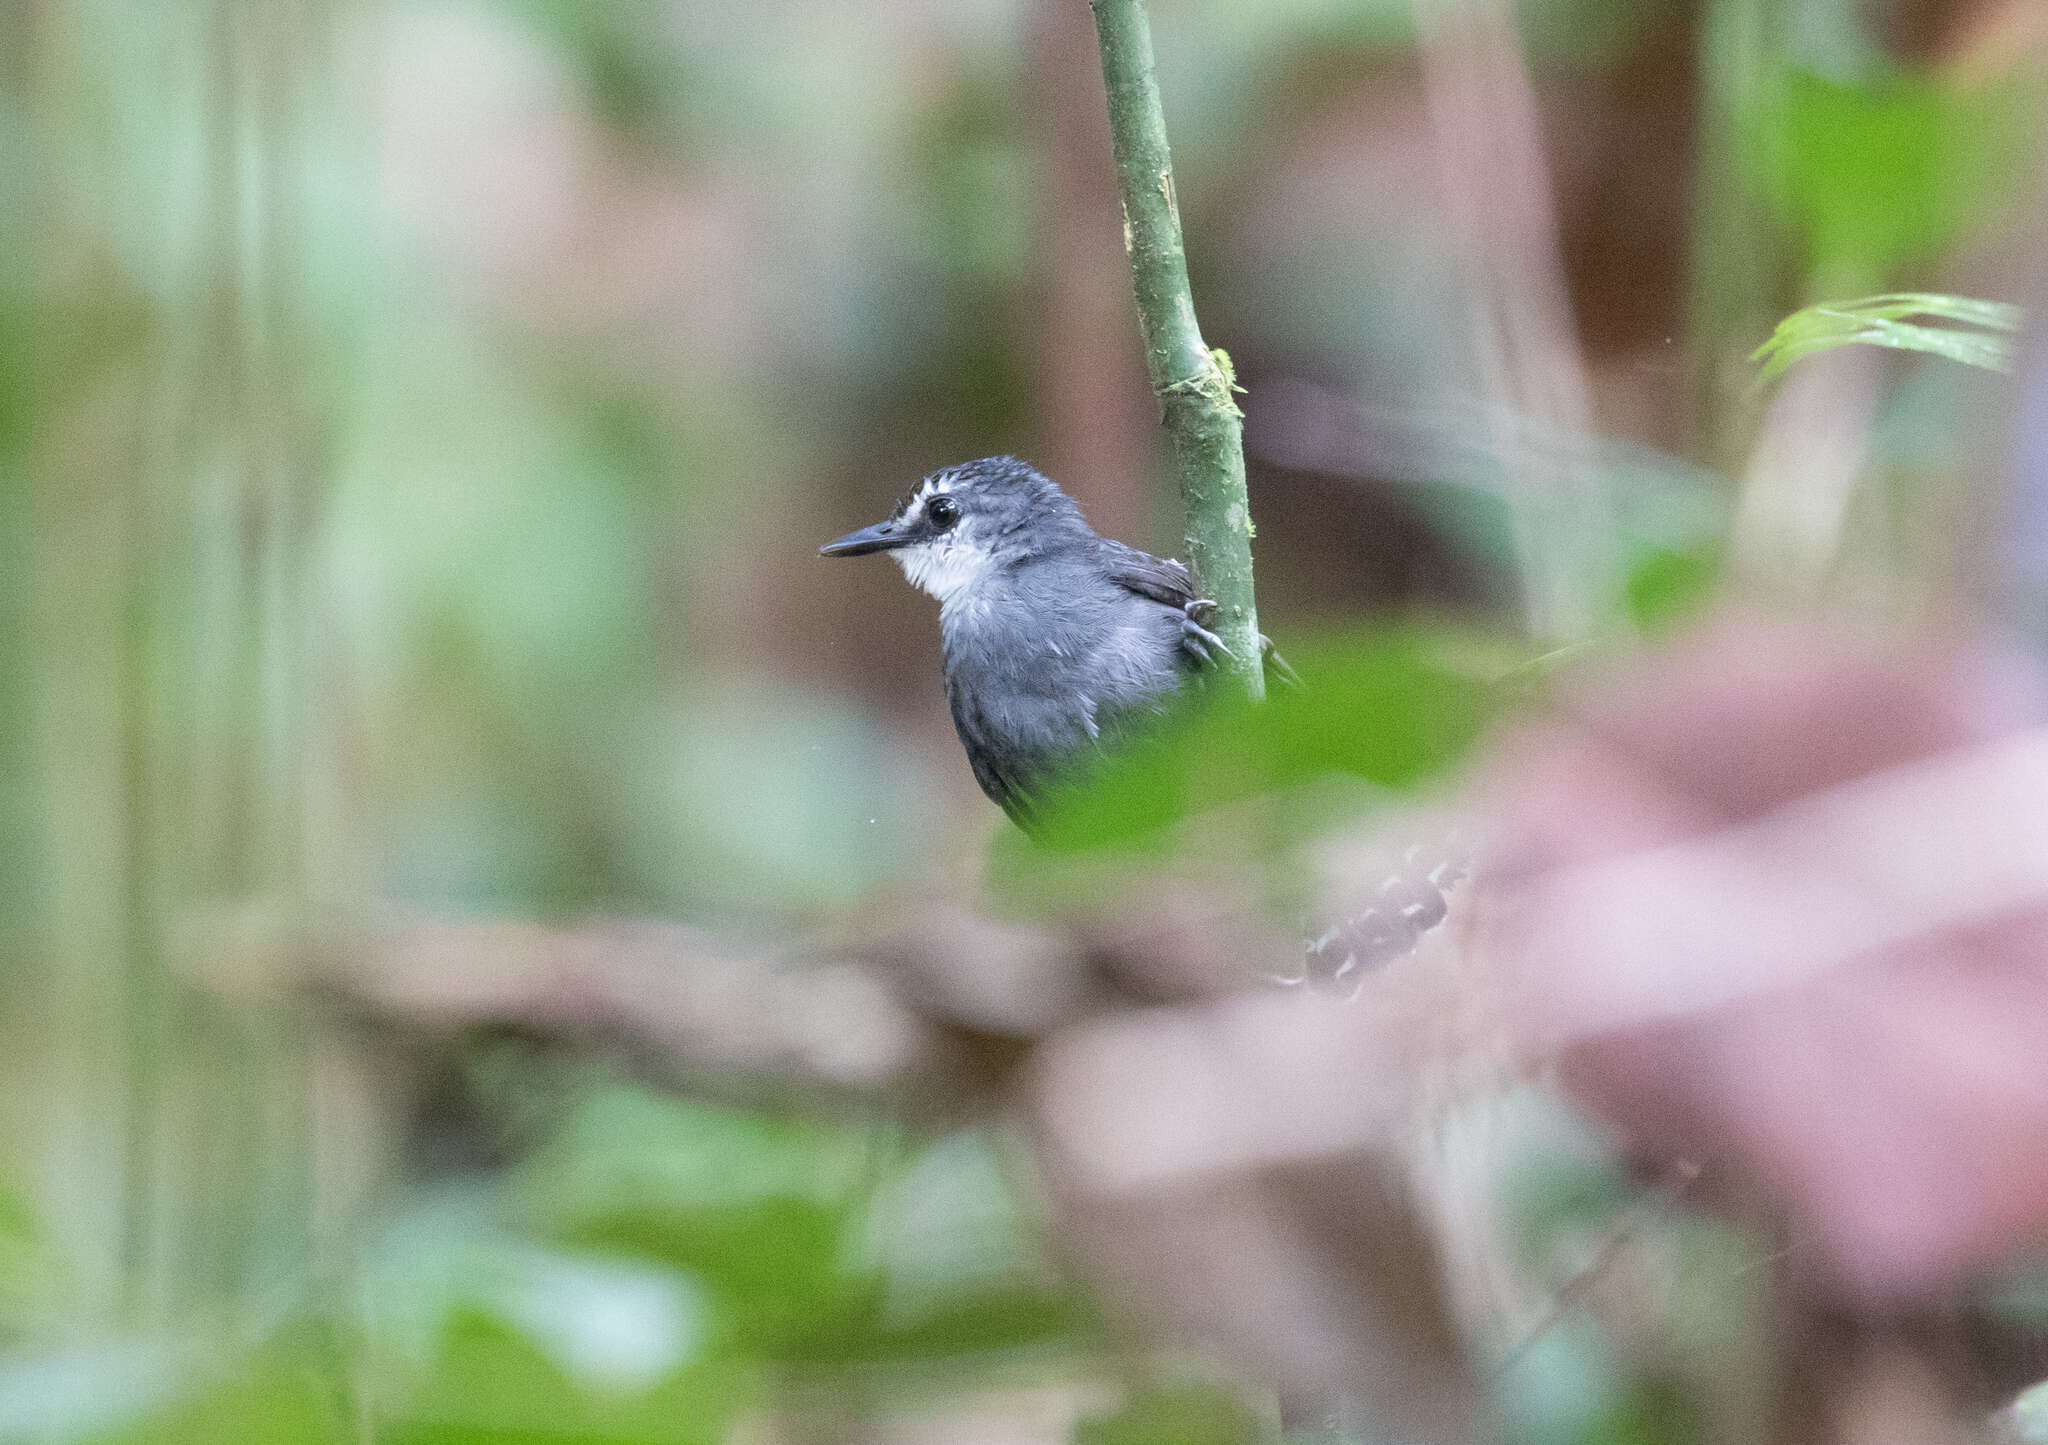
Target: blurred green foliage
[(1175, 1415), (1668, 585), (1882, 172), (1393, 709), (415, 422), (646, 1273)]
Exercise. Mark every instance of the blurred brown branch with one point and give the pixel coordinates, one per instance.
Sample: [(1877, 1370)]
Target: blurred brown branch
[(1258, 1127)]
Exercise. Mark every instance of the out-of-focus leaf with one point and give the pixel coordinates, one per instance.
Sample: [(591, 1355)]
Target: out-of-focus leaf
[(1979, 340), (493, 1383), (1668, 585), (946, 1225), (817, 1243), (1396, 710), (28, 1273), (292, 1390), (1554, 1195), (1572, 1388), (1563, 1386), (1880, 173), (609, 1323), (474, 1332), (762, 1210), (69, 1394), (1192, 1414), (959, 1267)]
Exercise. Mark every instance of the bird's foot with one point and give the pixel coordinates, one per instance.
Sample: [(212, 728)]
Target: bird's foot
[(1198, 639), (1277, 665)]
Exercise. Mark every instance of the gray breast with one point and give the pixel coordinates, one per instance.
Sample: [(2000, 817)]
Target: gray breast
[(1049, 666)]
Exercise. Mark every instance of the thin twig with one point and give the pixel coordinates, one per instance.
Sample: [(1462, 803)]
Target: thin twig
[(1677, 1179)]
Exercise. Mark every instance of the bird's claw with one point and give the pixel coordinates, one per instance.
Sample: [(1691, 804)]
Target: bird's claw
[(1198, 639), (1270, 655)]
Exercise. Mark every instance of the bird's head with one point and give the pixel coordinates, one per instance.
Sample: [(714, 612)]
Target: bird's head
[(964, 523)]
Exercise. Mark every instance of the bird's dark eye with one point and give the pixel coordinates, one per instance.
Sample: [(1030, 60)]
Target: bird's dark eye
[(942, 511)]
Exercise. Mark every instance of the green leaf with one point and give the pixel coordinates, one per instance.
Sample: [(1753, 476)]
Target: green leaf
[(1192, 1414), (293, 1389), (1979, 340), (1667, 585), (961, 1267), (1393, 709), (611, 1325), (762, 1210), (492, 1384), (1878, 173), (92, 1390)]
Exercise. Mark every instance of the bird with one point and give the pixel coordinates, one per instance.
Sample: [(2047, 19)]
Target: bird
[(1059, 643)]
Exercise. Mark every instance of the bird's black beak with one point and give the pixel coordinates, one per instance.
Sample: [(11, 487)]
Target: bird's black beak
[(878, 538)]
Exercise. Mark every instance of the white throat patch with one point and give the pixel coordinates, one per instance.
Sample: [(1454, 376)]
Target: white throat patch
[(946, 567)]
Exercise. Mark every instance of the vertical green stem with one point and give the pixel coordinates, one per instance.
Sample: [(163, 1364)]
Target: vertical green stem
[(1193, 383), (1737, 286), (142, 981)]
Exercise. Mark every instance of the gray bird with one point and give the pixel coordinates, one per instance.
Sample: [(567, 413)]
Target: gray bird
[(1057, 640)]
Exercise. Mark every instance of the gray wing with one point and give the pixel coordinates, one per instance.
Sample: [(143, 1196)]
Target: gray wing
[(1169, 583), (995, 768), (1160, 578)]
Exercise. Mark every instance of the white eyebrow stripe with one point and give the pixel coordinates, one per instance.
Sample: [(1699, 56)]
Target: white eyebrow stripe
[(933, 486)]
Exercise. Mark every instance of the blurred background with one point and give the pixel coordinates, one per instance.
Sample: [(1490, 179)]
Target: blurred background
[(417, 422)]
